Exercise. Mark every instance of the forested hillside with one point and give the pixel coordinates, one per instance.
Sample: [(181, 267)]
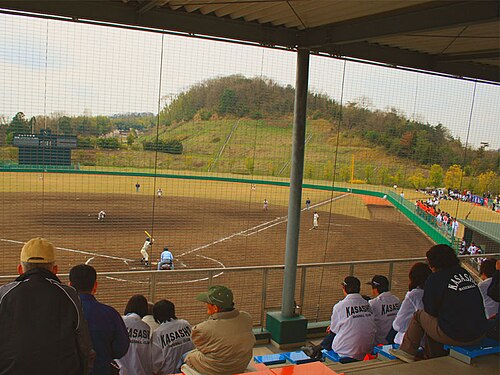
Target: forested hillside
[(241, 125), (237, 96)]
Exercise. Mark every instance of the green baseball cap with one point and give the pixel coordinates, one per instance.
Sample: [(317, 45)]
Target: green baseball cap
[(217, 295)]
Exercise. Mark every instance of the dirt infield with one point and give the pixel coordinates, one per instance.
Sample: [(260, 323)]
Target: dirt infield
[(203, 233)]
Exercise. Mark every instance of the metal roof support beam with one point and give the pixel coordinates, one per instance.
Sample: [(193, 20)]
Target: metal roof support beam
[(444, 15), (404, 58), (150, 5), (477, 55), (159, 18)]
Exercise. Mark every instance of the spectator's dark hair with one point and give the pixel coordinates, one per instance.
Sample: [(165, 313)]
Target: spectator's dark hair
[(419, 273), (351, 284), (137, 304), (488, 267), (82, 277), (164, 311), (442, 256)]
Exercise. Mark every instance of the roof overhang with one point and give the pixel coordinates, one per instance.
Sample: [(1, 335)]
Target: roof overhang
[(459, 38)]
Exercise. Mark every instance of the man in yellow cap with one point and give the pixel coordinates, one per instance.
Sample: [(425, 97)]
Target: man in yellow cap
[(225, 341), (41, 320)]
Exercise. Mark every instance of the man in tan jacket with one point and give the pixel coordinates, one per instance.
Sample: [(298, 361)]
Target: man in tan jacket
[(224, 342)]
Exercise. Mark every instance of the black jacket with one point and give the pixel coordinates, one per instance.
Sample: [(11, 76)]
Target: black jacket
[(452, 295), (42, 328)]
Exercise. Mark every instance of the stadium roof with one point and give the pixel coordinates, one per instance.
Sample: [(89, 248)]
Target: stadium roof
[(460, 38), (487, 229)]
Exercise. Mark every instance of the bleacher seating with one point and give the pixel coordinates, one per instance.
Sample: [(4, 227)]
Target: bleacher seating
[(467, 353), (383, 351)]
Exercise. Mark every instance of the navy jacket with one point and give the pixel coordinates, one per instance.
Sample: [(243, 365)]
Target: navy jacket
[(42, 327), (452, 295), (107, 330)]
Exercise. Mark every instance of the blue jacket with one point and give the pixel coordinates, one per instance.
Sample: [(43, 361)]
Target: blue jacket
[(107, 331)]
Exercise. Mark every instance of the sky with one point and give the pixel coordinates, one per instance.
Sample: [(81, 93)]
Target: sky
[(50, 67)]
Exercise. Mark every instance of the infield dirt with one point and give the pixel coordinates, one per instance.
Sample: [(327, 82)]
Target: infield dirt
[(206, 233)]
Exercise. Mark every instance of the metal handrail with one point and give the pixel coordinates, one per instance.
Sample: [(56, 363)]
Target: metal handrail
[(212, 271), (268, 299)]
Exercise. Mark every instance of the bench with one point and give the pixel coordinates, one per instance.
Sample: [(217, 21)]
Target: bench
[(467, 353)]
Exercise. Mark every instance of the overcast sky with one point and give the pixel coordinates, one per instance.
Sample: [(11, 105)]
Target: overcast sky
[(49, 66)]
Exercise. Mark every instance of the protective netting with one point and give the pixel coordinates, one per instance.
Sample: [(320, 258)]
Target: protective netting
[(189, 141)]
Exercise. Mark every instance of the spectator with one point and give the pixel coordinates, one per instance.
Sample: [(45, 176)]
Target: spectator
[(224, 342), (454, 227), (453, 309), (494, 294), (472, 249), (41, 320), (150, 320), (384, 306), (352, 329), (486, 272), (137, 361), (107, 330), (412, 302), (171, 340)]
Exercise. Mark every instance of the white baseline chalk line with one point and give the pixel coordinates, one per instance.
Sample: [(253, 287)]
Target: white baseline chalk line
[(75, 251), (284, 219), (250, 231)]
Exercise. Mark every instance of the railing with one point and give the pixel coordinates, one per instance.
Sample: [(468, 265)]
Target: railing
[(256, 289)]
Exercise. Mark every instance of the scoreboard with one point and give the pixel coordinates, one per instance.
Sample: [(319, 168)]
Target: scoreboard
[(44, 148)]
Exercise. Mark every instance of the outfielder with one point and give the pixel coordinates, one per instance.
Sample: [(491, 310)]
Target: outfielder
[(315, 220), (144, 251), (101, 215), (159, 193), (266, 205)]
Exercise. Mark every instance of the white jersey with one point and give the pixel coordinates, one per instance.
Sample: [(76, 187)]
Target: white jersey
[(151, 322), (385, 308), (354, 327), (490, 306), (137, 361), (169, 342), (411, 303), (315, 219)]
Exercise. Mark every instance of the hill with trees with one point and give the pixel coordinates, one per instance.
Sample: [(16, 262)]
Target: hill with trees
[(243, 125), (255, 98)]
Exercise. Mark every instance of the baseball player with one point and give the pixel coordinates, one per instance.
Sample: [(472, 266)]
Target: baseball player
[(308, 203), (166, 260), (352, 328), (315, 220), (101, 215), (144, 251), (266, 205), (385, 307), (159, 193)]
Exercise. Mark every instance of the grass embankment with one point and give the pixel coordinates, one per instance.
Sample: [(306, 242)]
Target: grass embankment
[(255, 147)]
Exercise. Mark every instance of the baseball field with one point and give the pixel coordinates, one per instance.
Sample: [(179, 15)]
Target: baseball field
[(207, 225)]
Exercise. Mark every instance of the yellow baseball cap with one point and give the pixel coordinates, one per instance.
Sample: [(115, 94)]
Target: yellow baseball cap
[(38, 250)]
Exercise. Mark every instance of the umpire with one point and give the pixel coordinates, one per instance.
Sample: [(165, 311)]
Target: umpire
[(42, 326)]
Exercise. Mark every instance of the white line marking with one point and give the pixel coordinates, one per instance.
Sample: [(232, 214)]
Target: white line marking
[(89, 260), (75, 251), (250, 231)]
